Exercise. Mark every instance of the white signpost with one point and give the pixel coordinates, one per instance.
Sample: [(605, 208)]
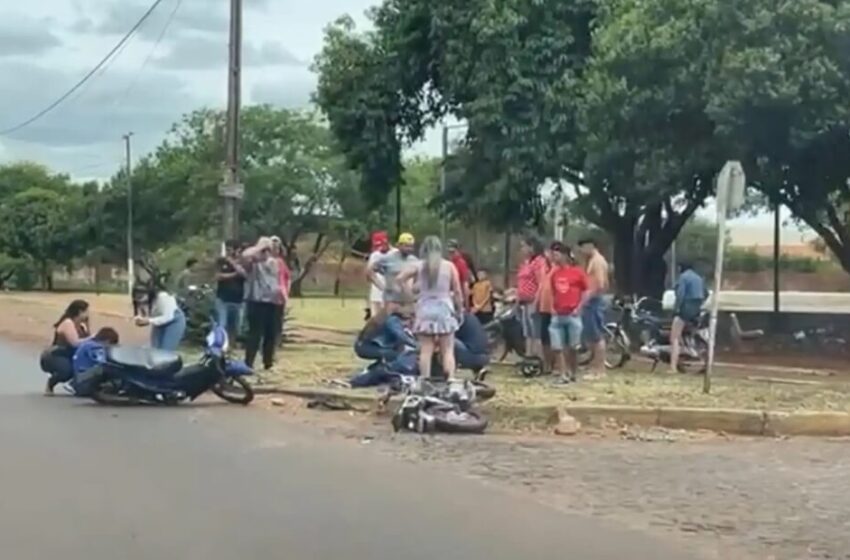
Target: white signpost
[(731, 183)]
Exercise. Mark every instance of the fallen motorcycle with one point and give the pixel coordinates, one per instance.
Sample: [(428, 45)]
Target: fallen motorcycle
[(134, 375), (437, 407)]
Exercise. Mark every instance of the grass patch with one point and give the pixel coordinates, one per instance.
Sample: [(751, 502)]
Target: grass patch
[(639, 388), (332, 313), (308, 365)]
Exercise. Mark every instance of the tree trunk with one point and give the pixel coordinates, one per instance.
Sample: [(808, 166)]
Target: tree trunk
[(319, 247), (339, 268), (46, 276)]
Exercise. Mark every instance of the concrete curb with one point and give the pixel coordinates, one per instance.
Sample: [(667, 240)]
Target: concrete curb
[(730, 421)]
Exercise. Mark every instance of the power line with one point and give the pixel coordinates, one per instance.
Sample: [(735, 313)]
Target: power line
[(159, 39), (85, 78)]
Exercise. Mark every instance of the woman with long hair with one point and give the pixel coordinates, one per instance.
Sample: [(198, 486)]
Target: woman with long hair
[(68, 331), (166, 319), (439, 304)]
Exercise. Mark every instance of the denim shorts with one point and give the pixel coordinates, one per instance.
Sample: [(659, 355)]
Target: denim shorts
[(593, 320), (565, 331), (531, 321)]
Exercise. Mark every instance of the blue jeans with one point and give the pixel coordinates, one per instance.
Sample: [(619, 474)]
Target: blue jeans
[(466, 359), (169, 335), (593, 320), (565, 332), (229, 316)]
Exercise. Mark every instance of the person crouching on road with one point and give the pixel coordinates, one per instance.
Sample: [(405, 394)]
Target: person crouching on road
[(68, 332), (569, 289), (166, 319)]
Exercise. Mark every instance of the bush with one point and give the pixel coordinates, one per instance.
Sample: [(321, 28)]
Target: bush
[(747, 260)]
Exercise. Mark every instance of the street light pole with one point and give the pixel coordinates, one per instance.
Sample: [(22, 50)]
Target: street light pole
[(231, 189), (129, 173), (443, 225)]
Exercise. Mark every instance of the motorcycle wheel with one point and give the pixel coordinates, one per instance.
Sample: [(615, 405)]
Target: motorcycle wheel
[(453, 422), (234, 390), (616, 352), (107, 395)]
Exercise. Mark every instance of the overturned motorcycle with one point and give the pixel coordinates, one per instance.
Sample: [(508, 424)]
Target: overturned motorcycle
[(439, 407), (146, 376)]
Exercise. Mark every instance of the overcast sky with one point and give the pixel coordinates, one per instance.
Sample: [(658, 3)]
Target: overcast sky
[(47, 45)]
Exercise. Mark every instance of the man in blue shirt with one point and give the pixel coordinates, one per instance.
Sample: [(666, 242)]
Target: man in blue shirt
[(690, 295), (92, 351)]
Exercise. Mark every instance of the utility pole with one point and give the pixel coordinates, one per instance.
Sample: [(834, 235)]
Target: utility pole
[(443, 226), (129, 172), (231, 190)]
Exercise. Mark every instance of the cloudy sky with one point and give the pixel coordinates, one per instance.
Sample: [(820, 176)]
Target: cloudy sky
[(47, 45)]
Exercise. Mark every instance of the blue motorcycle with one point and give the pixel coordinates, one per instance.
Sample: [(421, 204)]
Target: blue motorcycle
[(134, 375)]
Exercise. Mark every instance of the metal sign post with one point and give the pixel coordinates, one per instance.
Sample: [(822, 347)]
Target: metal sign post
[(730, 195)]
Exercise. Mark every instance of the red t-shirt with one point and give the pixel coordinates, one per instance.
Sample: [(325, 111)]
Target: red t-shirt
[(527, 278), (462, 268), (568, 285)]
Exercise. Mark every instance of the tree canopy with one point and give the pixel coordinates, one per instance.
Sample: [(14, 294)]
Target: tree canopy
[(629, 106)]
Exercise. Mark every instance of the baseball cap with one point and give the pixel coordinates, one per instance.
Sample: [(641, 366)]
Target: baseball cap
[(406, 239), (379, 238), (452, 244)]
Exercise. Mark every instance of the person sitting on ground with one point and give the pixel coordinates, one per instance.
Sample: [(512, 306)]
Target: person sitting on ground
[(91, 353), (690, 296), (385, 336), (167, 320), (482, 297), (569, 291), (472, 347), (71, 329)]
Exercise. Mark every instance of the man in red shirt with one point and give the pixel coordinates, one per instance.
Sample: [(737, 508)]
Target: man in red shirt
[(463, 272), (569, 286)]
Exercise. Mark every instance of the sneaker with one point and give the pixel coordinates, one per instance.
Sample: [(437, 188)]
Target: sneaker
[(562, 381), (594, 376)]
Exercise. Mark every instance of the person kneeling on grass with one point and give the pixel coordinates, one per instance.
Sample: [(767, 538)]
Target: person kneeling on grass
[(91, 354), (569, 289), (472, 348), (384, 336)]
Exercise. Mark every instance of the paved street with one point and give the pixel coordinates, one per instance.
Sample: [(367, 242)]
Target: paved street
[(80, 482)]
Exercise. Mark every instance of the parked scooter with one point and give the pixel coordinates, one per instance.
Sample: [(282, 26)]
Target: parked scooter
[(505, 334), (655, 339), (146, 376)]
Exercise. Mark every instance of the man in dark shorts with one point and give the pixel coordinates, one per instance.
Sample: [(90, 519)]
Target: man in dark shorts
[(690, 295)]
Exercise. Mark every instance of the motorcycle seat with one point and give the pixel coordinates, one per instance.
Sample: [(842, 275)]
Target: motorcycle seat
[(154, 362)]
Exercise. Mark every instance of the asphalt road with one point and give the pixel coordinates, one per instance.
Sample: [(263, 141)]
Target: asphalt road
[(218, 482)]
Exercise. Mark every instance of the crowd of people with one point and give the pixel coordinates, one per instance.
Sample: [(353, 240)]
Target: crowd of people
[(426, 315), (445, 302)]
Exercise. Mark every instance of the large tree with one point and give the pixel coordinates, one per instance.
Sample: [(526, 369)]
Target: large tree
[(508, 69), (296, 183)]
